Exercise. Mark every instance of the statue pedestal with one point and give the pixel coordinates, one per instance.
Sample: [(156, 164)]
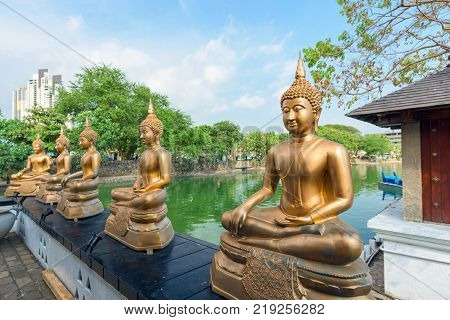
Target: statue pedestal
[(24, 188), (75, 206), (242, 272), (140, 230), (45, 195)]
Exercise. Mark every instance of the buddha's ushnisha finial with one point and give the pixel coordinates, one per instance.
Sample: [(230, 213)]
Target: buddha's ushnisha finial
[(152, 120), (89, 133), (62, 138), (301, 72), (301, 88), (151, 109), (38, 140)]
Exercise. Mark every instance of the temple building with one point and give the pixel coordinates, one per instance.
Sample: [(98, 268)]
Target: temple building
[(416, 229)]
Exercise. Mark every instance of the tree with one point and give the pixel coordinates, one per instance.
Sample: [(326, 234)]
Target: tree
[(342, 127), (12, 157), (196, 141), (259, 143), (114, 105), (13, 146), (225, 135), (45, 121), (350, 141), (376, 144), (392, 42)]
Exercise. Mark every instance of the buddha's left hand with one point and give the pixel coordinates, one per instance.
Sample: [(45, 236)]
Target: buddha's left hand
[(291, 221)]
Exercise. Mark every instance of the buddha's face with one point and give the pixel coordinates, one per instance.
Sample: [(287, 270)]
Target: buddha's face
[(85, 143), (147, 136), (37, 147), (59, 147), (298, 116)]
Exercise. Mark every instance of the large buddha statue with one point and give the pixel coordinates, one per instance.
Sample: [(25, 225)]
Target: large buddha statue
[(51, 185), (299, 249), (138, 216), (26, 181), (79, 197)]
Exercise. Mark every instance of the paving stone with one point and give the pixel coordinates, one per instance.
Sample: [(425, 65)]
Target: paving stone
[(28, 262), (33, 295), (30, 287), (20, 272), (8, 289), (13, 263), (23, 281), (6, 280), (6, 255), (34, 266), (11, 258), (17, 268)]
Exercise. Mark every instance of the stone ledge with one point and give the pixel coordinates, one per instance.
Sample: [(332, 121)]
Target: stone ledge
[(111, 270), (416, 255), (389, 224)]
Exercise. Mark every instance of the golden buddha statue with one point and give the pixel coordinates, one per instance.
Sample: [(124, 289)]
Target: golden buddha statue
[(79, 197), (299, 249), (26, 181), (138, 216), (51, 185)]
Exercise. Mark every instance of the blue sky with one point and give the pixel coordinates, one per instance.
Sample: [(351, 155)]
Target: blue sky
[(216, 60)]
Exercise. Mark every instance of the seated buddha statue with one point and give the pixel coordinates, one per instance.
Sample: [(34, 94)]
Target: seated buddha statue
[(79, 196), (299, 249), (26, 181), (51, 185), (138, 216)]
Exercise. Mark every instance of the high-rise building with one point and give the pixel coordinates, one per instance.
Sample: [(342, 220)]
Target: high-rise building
[(41, 90), (395, 136)]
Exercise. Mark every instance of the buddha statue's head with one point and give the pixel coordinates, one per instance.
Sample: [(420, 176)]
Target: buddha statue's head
[(151, 128), (62, 142), (38, 144), (301, 104), (88, 137)]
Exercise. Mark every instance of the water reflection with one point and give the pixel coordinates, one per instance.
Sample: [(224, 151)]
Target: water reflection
[(197, 203)]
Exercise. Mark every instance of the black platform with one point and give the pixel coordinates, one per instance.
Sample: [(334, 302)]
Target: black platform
[(179, 271), (4, 201)]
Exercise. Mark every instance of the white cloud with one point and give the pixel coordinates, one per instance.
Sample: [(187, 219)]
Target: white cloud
[(129, 59), (74, 22), (249, 102), (196, 81), (275, 46)]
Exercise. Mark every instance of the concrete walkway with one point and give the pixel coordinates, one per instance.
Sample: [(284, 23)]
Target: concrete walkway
[(20, 272)]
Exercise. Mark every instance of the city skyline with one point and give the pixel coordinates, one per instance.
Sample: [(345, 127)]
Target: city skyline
[(215, 61), (41, 90)]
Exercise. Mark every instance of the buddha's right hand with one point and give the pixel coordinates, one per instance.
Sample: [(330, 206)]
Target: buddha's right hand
[(238, 218)]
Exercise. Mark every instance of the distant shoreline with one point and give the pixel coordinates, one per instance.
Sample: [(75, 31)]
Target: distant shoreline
[(128, 178), (365, 162)]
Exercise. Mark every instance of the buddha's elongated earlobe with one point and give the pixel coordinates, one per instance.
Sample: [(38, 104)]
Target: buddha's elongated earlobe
[(316, 120)]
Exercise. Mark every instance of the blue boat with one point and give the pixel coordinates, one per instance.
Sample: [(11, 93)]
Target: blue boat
[(390, 181)]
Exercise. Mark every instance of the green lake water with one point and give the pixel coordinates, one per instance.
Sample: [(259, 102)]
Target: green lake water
[(196, 203)]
